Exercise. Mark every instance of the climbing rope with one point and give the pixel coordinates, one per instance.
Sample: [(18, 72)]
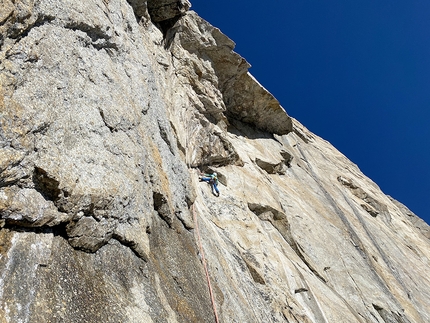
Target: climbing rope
[(188, 162), (205, 267)]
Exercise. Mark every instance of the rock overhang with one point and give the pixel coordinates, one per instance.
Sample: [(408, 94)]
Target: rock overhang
[(251, 103), (245, 99)]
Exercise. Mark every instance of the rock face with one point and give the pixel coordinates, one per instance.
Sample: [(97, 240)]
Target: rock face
[(108, 111)]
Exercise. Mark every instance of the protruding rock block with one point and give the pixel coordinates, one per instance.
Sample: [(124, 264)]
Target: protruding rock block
[(88, 234), (161, 10), (244, 97)]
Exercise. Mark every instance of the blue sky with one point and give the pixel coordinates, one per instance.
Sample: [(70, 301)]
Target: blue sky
[(356, 73)]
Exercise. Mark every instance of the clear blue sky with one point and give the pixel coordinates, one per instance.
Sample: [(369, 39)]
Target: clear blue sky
[(356, 73)]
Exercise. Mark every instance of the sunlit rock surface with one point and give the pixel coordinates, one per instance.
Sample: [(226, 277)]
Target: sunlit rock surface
[(109, 110)]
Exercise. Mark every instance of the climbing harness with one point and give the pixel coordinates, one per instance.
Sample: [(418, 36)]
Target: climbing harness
[(204, 265)]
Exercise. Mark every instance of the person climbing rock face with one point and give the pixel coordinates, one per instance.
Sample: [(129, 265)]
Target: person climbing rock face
[(212, 179)]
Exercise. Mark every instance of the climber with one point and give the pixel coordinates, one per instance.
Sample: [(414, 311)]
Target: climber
[(212, 179)]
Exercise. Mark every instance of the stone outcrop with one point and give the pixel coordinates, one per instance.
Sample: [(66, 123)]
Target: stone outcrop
[(109, 110), (161, 10)]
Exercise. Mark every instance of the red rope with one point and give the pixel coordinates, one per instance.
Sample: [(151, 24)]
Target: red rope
[(205, 267)]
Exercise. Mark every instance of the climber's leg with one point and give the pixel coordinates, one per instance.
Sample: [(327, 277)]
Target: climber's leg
[(215, 189)]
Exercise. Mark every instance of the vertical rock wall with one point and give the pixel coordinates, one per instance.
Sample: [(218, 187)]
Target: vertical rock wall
[(108, 110)]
